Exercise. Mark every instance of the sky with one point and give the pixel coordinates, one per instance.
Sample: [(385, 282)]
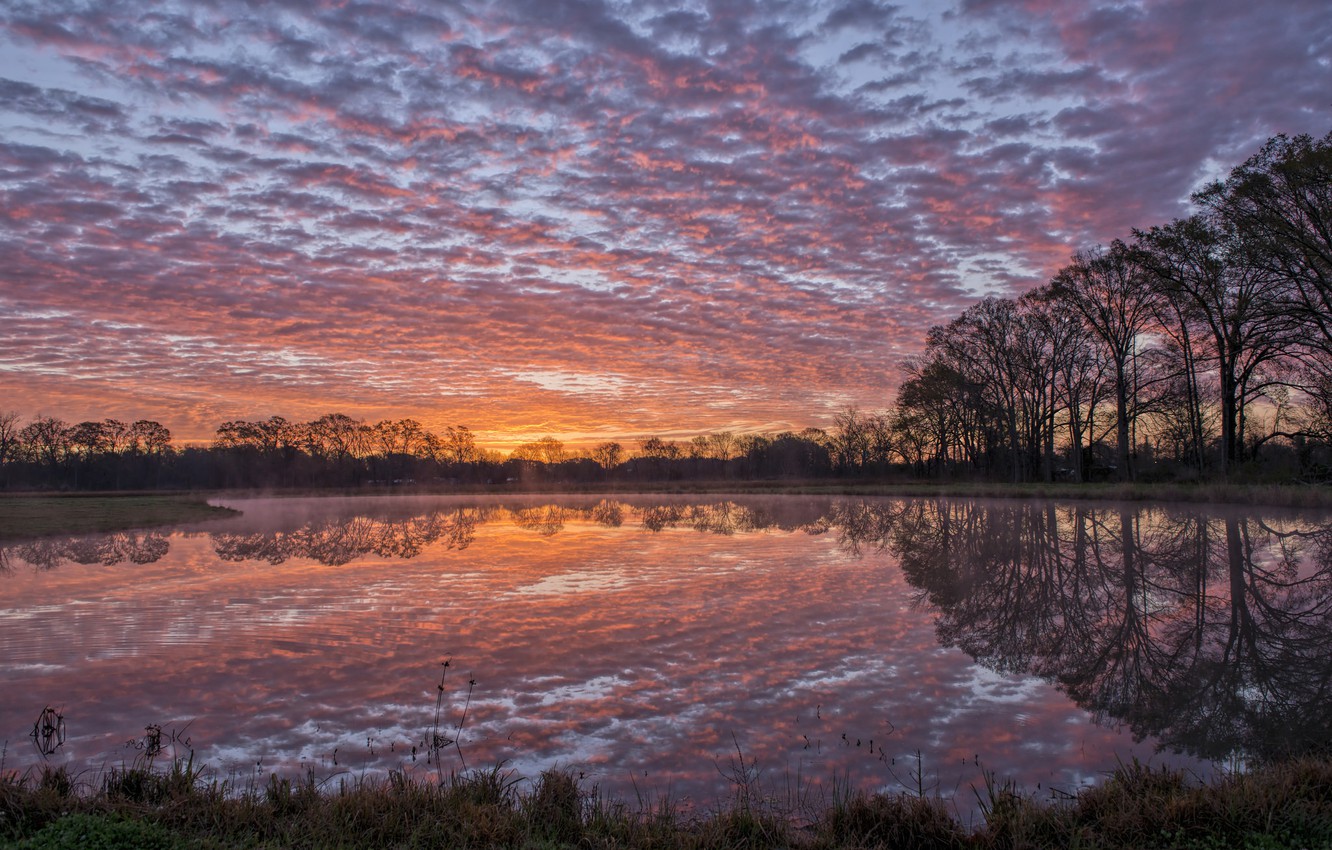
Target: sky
[(584, 218)]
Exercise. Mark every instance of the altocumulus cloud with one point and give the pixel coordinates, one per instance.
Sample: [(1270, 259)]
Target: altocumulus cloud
[(743, 213)]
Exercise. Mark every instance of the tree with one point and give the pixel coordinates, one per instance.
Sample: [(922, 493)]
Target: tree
[(1076, 373), (722, 445), (546, 450), (1281, 198), (1204, 272), (152, 438), (46, 440), (458, 445), (609, 455), (88, 439), (985, 344), (1107, 289), (266, 436), (337, 436), (403, 437), (850, 441), (939, 413), (9, 443), (659, 449)]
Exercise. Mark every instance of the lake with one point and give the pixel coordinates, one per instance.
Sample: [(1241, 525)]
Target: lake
[(671, 647)]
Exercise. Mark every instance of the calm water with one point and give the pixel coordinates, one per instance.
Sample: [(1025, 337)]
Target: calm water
[(647, 641)]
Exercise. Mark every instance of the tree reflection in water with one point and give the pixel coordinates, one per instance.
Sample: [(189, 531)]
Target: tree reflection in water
[(47, 553), (341, 540), (1208, 632)]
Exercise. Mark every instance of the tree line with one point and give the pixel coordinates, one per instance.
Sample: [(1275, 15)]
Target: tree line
[(339, 450), (1187, 348)]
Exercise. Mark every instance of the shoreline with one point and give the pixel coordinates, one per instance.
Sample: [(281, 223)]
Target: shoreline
[(32, 515)]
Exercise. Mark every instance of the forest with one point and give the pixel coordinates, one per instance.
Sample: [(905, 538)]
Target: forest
[(1199, 349)]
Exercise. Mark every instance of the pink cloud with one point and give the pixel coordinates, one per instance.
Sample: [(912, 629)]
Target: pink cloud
[(393, 211)]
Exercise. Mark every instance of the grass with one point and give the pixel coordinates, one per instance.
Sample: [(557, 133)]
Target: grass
[(1265, 495), (1310, 496), (1285, 805), (41, 516), (1203, 492)]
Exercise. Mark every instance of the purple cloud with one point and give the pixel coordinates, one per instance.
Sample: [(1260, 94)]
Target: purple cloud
[(750, 212)]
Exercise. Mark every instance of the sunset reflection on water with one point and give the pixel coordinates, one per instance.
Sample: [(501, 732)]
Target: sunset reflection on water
[(647, 642)]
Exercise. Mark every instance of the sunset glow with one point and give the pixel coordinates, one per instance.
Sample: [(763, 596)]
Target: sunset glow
[(593, 220)]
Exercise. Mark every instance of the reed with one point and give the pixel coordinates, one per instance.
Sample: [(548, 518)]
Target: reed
[(1282, 805)]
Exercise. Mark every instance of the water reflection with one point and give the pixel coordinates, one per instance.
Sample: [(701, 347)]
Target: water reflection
[(640, 634), (379, 528), (1208, 633), (337, 541), (47, 553)]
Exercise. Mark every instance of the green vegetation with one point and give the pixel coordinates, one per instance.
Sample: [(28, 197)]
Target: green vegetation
[(40, 516), (1286, 805)]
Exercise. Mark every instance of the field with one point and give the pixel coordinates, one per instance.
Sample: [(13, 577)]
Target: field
[(41, 516)]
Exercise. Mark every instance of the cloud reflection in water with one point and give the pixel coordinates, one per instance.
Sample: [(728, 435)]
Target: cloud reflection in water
[(642, 641)]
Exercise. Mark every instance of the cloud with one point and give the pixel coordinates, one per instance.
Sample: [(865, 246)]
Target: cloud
[(748, 212)]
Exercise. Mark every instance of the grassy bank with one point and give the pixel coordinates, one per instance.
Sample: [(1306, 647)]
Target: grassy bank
[(1267, 495), (39, 516), (1288, 805)]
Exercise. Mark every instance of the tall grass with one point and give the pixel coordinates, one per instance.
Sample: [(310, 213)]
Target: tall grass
[(1285, 805)]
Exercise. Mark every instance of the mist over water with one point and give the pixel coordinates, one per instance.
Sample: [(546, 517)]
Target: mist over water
[(653, 643)]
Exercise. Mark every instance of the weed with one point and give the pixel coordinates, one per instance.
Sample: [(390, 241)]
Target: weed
[(84, 831), (555, 807), (142, 782), (879, 820), (436, 741)]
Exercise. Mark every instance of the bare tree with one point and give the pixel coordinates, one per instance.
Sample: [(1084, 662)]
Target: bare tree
[(545, 450), (46, 440), (657, 448), (609, 455), (459, 445), (722, 445), (1206, 275), (1107, 289), (1281, 198), (9, 442)]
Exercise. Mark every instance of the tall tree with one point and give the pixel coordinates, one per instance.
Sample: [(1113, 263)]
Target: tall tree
[(984, 343), (1281, 200), (1205, 272), (1107, 288), (1281, 197), (458, 445), (46, 440), (9, 443), (152, 440), (546, 450)]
